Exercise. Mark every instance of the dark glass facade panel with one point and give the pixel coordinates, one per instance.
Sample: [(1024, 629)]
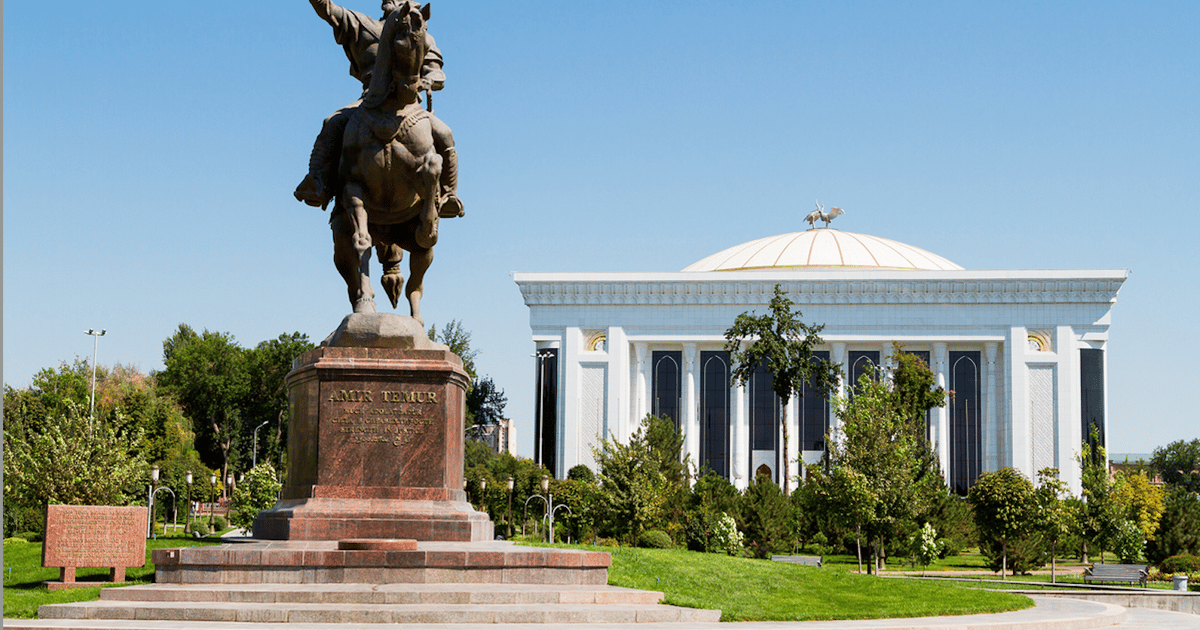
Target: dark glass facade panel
[(546, 413), (1091, 394), (861, 362), (814, 413), (966, 425), (764, 411), (667, 386), (714, 412)]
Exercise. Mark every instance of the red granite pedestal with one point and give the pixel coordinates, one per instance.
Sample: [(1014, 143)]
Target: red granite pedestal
[(375, 449)]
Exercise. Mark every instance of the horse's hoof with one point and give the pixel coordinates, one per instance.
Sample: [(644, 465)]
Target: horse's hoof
[(364, 306)]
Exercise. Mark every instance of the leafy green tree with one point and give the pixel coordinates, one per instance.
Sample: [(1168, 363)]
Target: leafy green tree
[(635, 478), (1179, 532), (784, 345), (1099, 515), (924, 546), (1141, 501), (257, 492), (1002, 502), (875, 440), (765, 518), (74, 460), (1178, 463), (458, 339), (1053, 517), (206, 373), (266, 395), (485, 403), (848, 498)]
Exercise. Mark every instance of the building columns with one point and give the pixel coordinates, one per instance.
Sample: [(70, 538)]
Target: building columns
[(690, 401), (639, 401), (941, 415)]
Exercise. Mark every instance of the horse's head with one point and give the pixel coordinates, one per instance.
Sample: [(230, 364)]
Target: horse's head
[(402, 48)]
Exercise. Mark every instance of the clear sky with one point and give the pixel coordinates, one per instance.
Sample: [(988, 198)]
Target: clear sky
[(150, 152)]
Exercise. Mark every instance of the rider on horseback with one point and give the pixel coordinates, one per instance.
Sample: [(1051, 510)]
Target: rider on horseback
[(359, 35)]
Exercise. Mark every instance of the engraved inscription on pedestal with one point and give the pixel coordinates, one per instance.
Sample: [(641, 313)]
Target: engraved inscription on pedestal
[(371, 424)]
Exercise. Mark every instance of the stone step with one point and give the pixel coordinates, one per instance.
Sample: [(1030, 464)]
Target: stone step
[(382, 594), (348, 613)]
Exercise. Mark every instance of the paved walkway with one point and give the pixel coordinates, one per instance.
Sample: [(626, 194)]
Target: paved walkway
[(1049, 614)]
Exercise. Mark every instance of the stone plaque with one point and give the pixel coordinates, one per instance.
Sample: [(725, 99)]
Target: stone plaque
[(93, 536)]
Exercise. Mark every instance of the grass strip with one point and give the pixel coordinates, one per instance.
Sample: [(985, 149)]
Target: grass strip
[(25, 577), (760, 590)]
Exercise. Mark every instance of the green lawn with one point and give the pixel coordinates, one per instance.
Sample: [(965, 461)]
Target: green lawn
[(24, 575), (760, 590)]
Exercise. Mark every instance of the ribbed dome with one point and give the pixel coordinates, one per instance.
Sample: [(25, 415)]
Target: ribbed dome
[(823, 248)]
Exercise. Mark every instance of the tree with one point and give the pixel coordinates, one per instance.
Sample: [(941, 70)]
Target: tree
[(783, 344), (1098, 516), (485, 403), (73, 459), (1140, 500), (846, 497), (1002, 501), (1054, 518), (1178, 463), (634, 477), (875, 441), (765, 518), (256, 492), (459, 341), (206, 373), (1179, 532), (266, 396)]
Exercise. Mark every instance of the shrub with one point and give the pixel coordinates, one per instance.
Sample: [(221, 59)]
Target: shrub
[(607, 542), (1024, 554), (257, 492), (30, 536), (200, 527), (726, 537), (1127, 542), (219, 523), (655, 539), (766, 518), (1180, 564), (1179, 528)]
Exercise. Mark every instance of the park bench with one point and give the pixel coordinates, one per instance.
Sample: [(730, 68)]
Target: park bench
[(808, 561), (1129, 573)]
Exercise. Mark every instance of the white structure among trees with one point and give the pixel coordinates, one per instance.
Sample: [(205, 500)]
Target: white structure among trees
[(1022, 351)]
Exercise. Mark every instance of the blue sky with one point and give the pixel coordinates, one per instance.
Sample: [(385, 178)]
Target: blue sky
[(150, 151)]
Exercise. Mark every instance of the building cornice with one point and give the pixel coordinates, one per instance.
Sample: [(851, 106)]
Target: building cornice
[(826, 287)]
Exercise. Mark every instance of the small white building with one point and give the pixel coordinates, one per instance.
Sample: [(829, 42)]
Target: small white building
[(1023, 352)]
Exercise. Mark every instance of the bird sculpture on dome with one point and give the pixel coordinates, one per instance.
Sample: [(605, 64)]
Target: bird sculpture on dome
[(820, 215)]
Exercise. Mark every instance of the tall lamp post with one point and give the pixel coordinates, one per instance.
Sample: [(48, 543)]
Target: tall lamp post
[(95, 347), (510, 489), (187, 525), (212, 507), (254, 458), (150, 501), (548, 499)]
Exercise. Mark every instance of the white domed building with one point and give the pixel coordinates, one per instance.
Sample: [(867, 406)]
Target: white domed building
[(1023, 351)]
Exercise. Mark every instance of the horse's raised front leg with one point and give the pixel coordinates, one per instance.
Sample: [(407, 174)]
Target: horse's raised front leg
[(429, 174), (360, 241)]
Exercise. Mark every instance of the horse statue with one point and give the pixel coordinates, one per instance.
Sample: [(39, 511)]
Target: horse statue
[(819, 215), (388, 177)]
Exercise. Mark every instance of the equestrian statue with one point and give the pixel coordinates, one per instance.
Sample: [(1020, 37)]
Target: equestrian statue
[(388, 164)]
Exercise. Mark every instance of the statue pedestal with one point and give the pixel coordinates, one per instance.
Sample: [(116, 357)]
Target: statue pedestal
[(375, 448)]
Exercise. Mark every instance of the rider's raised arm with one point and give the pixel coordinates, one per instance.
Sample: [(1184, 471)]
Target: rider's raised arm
[(329, 11)]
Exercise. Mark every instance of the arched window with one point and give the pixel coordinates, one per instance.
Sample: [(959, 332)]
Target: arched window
[(714, 412), (966, 426), (668, 384)]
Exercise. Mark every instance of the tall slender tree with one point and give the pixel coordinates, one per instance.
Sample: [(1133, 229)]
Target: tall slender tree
[(783, 344)]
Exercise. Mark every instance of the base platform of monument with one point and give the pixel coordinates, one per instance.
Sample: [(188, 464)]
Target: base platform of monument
[(330, 518), (329, 562)]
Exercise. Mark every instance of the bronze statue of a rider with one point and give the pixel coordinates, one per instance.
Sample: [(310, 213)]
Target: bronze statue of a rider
[(359, 34)]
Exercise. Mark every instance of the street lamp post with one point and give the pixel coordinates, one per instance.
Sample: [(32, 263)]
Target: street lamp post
[(254, 458), (150, 501), (547, 499), (212, 507), (510, 489), (95, 347), (187, 525)]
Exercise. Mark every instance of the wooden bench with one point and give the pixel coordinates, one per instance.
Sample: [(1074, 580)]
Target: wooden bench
[(1128, 573), (808, 561)]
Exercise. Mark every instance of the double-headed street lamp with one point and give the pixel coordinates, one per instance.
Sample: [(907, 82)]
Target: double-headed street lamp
[(510, 489), (548, 499), (95, 347), (150, 501), (187, 526), (212, 507)]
